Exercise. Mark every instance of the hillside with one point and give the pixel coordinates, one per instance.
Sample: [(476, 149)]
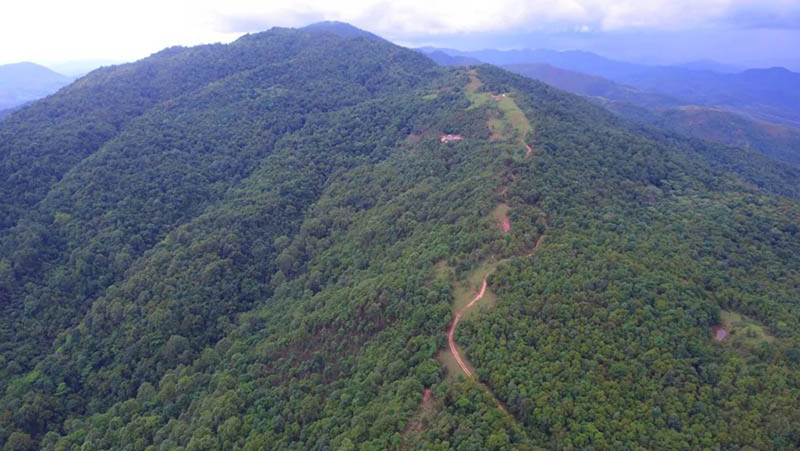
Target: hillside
[(264, 245), (6, 112), (23, 82), (713, 124), (774, 140)]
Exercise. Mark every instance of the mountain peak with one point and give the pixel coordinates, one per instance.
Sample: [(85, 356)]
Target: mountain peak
[(339, 28)]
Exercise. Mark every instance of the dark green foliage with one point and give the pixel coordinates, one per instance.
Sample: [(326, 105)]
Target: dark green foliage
[(240, 256)]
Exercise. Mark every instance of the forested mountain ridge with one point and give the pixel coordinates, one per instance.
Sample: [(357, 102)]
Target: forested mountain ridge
[(257, 248), (778, 141)]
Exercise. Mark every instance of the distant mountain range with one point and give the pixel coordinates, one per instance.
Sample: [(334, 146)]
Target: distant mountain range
[(714, 124), (592, 85), (443, 59), (23, 82), (684, 111), (771, 94), (711, 65)]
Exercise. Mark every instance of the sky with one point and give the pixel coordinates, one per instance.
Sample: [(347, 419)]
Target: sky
[(754, 33)]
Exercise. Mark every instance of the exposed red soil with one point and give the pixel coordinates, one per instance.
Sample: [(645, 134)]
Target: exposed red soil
[(719, 333), (426, 409), (528, 150), (452, 343), (477, 297), (506, 224)]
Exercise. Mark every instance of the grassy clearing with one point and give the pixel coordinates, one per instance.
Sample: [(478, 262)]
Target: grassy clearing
[(431, 96), (477, 99), (464, 291), (475, 83), (447, 359), (501, 130), (744, 331), (500, 213), (443, 272), (510, 123), (488, 302), (514, 115)]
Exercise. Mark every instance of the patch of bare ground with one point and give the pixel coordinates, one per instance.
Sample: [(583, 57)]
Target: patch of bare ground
[(500, 214), (420, 421), (740, 331)]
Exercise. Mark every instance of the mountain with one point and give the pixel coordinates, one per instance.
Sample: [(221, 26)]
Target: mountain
[(574, 60), (771, 95), (23, 82), (714, 124), (342, 29), (591, 85), (310, 240), (443, 59), (774, 140), (711, 65)]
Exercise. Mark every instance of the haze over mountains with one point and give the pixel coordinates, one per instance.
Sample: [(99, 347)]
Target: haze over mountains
[(264, 245), (767, 94), (712, 123), (23, 82)]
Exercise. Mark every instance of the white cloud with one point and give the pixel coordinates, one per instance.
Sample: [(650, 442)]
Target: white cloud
[(416, 17), (58, 30)]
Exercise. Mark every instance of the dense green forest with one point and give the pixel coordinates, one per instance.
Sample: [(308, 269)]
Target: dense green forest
[(241, 247)]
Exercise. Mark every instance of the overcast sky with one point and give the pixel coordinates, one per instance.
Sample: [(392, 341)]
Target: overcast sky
[(746, 32)]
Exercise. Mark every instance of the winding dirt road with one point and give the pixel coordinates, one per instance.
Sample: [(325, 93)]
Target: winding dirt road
[(451, 333), (451, 341)]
